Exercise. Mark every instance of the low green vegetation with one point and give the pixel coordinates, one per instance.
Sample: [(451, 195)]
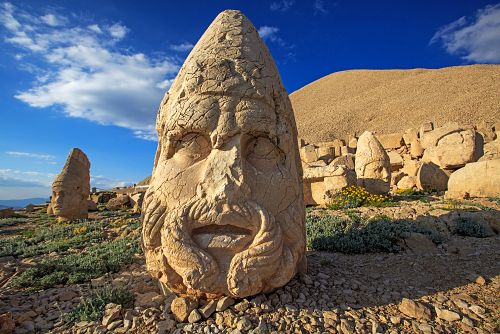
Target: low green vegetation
[(355, 235), (91, 308), (469, 228), (92, 262), (6, 222), (54, 238)]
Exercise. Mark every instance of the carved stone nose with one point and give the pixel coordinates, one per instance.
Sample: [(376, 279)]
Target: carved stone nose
[(226, 172)]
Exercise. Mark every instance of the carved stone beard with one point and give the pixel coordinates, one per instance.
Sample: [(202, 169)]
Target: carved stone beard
[(268, 262)]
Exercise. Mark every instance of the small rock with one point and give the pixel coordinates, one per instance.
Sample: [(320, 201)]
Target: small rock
[(207, 310), (414, 309), (67, 295), (242, 307), (480, 280), (7, 324), (114, 325), (111, 313), (244, 324), (182, 307), (224, 303), (395, 320), (194, 316), (347, 326), (478, 310), (148, 299), (166, 326), (446, 314)]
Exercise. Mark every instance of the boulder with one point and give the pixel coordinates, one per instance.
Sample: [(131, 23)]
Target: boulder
[(431, 177), (182, 307), (410, 167), (419, 244), (118, 202), (92, 206), (410, 136), (390, 141), (345, 160), (396, 160), (373, 167), (478, 179), (136, 201), (308, 153), (426, 127), (102, 197), (29, 208), (416, 149), (491, 150), (325, 153), (452, 146), (320, 183), (487, 130), (407, 182), (7, 213)]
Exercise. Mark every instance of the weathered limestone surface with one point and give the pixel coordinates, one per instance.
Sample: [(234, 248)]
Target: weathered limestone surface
[(224, 212), (477, 179), (431, 177), (373, 167), (71, 188), (452, 146), (322, 182)]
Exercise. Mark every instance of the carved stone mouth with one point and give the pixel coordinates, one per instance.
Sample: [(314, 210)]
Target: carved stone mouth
[(226, 236)]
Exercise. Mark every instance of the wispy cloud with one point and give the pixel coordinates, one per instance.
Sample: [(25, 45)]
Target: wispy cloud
[(281, 6), (319, 7), (81, 69), (270, 34), (103, 182), (18, 178), (39, 156), (182, 47), (475, 39)]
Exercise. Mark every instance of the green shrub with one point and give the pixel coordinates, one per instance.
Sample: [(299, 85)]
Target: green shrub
[(469, 228), (354, 197), (5, 222), (53, 239), (78, 268), (357, 236), (91, 308)]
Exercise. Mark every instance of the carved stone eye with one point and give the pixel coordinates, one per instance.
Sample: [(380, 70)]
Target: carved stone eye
[(191, 148), (263, 154)]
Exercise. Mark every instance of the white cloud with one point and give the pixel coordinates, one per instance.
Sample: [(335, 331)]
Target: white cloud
[(39, 156), (82, 70), (474, 39), (182, 47), (103, 182), (95, 28), (268, 33), (53, 20), (118, 31), (319, 7), (281, 6)]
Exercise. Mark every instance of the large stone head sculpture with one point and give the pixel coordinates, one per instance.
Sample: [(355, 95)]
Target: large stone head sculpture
[(71, 188), (224, 212)]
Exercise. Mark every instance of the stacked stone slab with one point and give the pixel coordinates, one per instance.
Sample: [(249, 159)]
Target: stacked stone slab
[(322, 182), (422, 157), (71, 188)]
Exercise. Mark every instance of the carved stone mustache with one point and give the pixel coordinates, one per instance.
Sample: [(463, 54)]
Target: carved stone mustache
[(248, 269)]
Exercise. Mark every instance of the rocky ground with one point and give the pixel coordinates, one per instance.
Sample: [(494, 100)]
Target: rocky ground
[(451, 287)]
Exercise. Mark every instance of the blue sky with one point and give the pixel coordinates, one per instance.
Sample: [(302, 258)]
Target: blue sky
[(91, 74)]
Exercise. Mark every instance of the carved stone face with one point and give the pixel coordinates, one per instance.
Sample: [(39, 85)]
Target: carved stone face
[(224, 211), (71, 188)]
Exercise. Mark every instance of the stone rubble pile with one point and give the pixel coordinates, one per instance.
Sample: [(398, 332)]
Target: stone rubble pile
[(423, 158)]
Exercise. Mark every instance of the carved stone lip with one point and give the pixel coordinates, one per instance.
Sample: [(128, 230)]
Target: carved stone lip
[(227, 236)]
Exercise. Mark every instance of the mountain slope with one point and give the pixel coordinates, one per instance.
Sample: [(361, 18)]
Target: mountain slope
[(385, 101)]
